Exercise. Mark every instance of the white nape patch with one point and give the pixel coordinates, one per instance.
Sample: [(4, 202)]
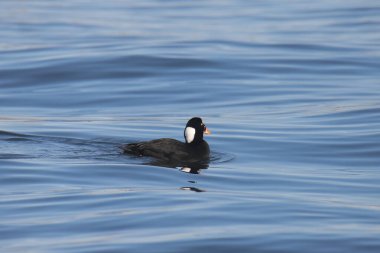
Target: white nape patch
[(189, 134)]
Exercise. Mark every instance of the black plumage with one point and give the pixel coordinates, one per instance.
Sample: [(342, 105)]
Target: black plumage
[(193, 150)]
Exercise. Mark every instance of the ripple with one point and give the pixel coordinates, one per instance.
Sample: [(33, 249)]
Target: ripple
[(290, 92)]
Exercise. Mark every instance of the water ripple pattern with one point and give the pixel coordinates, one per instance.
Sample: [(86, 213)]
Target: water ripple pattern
[(289, 89)]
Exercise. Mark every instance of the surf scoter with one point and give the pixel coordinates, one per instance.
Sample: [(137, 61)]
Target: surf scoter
[(192, 150)]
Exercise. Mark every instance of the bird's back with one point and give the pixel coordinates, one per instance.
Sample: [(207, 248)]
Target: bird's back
[(168, 149)]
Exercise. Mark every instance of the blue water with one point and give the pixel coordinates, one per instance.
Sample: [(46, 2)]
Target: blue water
[(290, 90)]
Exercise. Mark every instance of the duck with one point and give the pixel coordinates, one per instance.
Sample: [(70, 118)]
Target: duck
[(194, 149)]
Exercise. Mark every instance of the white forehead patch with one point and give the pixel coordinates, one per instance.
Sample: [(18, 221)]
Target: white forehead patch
[(189, 134)]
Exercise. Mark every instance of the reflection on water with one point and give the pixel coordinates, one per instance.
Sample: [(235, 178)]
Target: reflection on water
[(194, 189), (188, 167), (193, 167)]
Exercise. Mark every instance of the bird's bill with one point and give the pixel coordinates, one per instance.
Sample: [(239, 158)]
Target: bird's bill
[(206, 131)]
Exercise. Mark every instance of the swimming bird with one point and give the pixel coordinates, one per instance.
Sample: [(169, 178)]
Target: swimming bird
[(194, 149)]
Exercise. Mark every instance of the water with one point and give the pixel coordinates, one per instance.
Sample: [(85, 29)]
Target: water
[(289, 89)]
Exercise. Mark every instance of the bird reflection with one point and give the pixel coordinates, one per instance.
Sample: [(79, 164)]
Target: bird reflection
[(193, 189), (194, 167)]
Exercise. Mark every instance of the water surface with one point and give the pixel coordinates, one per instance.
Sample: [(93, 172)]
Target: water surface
[(290, 91)]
